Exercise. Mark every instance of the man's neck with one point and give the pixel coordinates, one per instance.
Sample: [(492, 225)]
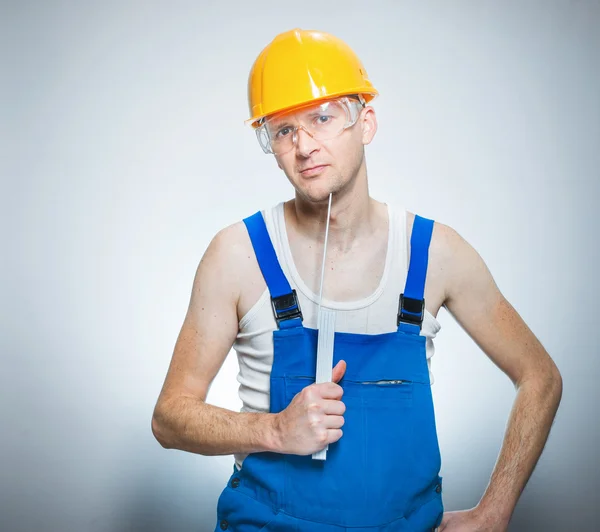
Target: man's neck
[(354, 217)]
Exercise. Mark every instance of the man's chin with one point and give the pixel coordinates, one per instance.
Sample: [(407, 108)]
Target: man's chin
[(317, 192), (317, 196)]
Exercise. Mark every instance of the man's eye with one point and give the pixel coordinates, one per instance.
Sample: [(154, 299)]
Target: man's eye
[(323, 120), (284, 131)]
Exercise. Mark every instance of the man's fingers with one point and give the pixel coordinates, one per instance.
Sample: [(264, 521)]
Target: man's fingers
[(334, 435), (338, 371), (329, 390), (334, 408), (334, 422)]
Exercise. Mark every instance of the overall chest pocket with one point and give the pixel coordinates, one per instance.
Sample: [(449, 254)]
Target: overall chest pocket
[(379, 393), (403, 452)]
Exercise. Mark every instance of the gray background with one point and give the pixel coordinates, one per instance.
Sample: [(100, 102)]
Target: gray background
[(124, 152)]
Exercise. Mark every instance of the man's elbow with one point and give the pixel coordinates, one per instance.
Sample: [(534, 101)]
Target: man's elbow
[(552, 378), (159, 430), (556, 382), (548, 381)]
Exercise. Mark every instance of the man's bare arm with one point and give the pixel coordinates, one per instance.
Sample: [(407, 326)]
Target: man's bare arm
[(475, 301), (182, 419)]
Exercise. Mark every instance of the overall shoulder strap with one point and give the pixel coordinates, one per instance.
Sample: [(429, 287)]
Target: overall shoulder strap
[(412, 304), (284, 300)]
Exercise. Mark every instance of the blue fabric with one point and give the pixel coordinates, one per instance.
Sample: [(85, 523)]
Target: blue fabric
[(265, 254), (417, 270), (383, 474), (269, 265), (419, 257)]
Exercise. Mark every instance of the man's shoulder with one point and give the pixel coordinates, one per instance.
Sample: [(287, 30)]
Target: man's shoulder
[(231, 242), (235, 236), (450, 254), (231, 247), (440, 230), (443, 236), (443, 248)]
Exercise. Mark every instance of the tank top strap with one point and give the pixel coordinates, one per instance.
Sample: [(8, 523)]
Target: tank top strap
[(412, 303), (284, 301)]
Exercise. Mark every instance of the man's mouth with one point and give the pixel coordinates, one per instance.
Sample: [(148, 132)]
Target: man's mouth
[(313, 170)]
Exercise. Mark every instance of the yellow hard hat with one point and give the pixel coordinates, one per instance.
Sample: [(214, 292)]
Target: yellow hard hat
[(301, 66)]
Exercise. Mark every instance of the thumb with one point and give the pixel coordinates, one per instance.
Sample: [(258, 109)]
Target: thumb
[(338, 371)]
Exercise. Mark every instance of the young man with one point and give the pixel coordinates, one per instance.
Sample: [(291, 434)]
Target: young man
[(388, 273)]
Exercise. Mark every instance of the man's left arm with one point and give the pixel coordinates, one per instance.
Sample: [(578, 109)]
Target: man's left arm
[(473, 298)]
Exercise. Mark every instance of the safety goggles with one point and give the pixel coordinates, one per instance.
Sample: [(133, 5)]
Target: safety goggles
[(278, 134)]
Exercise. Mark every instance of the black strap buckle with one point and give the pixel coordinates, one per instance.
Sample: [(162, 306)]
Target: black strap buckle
[(286, 307), (414, 306)]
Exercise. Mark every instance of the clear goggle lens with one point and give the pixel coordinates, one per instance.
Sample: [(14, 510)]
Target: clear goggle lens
[(278, 134)]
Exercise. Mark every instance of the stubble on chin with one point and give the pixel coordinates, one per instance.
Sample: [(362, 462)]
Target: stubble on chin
[(321, 193)]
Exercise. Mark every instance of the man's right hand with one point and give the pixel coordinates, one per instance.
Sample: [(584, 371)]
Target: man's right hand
[(313, 418)]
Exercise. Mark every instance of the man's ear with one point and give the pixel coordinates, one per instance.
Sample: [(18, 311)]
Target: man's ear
[(368, 122)]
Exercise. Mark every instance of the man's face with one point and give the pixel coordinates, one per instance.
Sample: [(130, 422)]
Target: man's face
[(316, 167)]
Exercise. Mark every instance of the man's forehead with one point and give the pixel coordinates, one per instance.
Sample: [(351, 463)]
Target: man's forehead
[(318, 106)]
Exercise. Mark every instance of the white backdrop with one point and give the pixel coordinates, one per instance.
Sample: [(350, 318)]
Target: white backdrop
[(124, 152)]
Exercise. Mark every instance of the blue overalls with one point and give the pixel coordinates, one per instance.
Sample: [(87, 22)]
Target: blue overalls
[(383, 473)]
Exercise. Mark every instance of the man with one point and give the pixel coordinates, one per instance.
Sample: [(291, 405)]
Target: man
[(388, 273)]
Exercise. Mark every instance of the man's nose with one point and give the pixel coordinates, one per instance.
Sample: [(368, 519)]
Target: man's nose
[(305, 142)]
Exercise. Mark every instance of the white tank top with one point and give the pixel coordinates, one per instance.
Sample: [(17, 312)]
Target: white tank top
[(375, 314)]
